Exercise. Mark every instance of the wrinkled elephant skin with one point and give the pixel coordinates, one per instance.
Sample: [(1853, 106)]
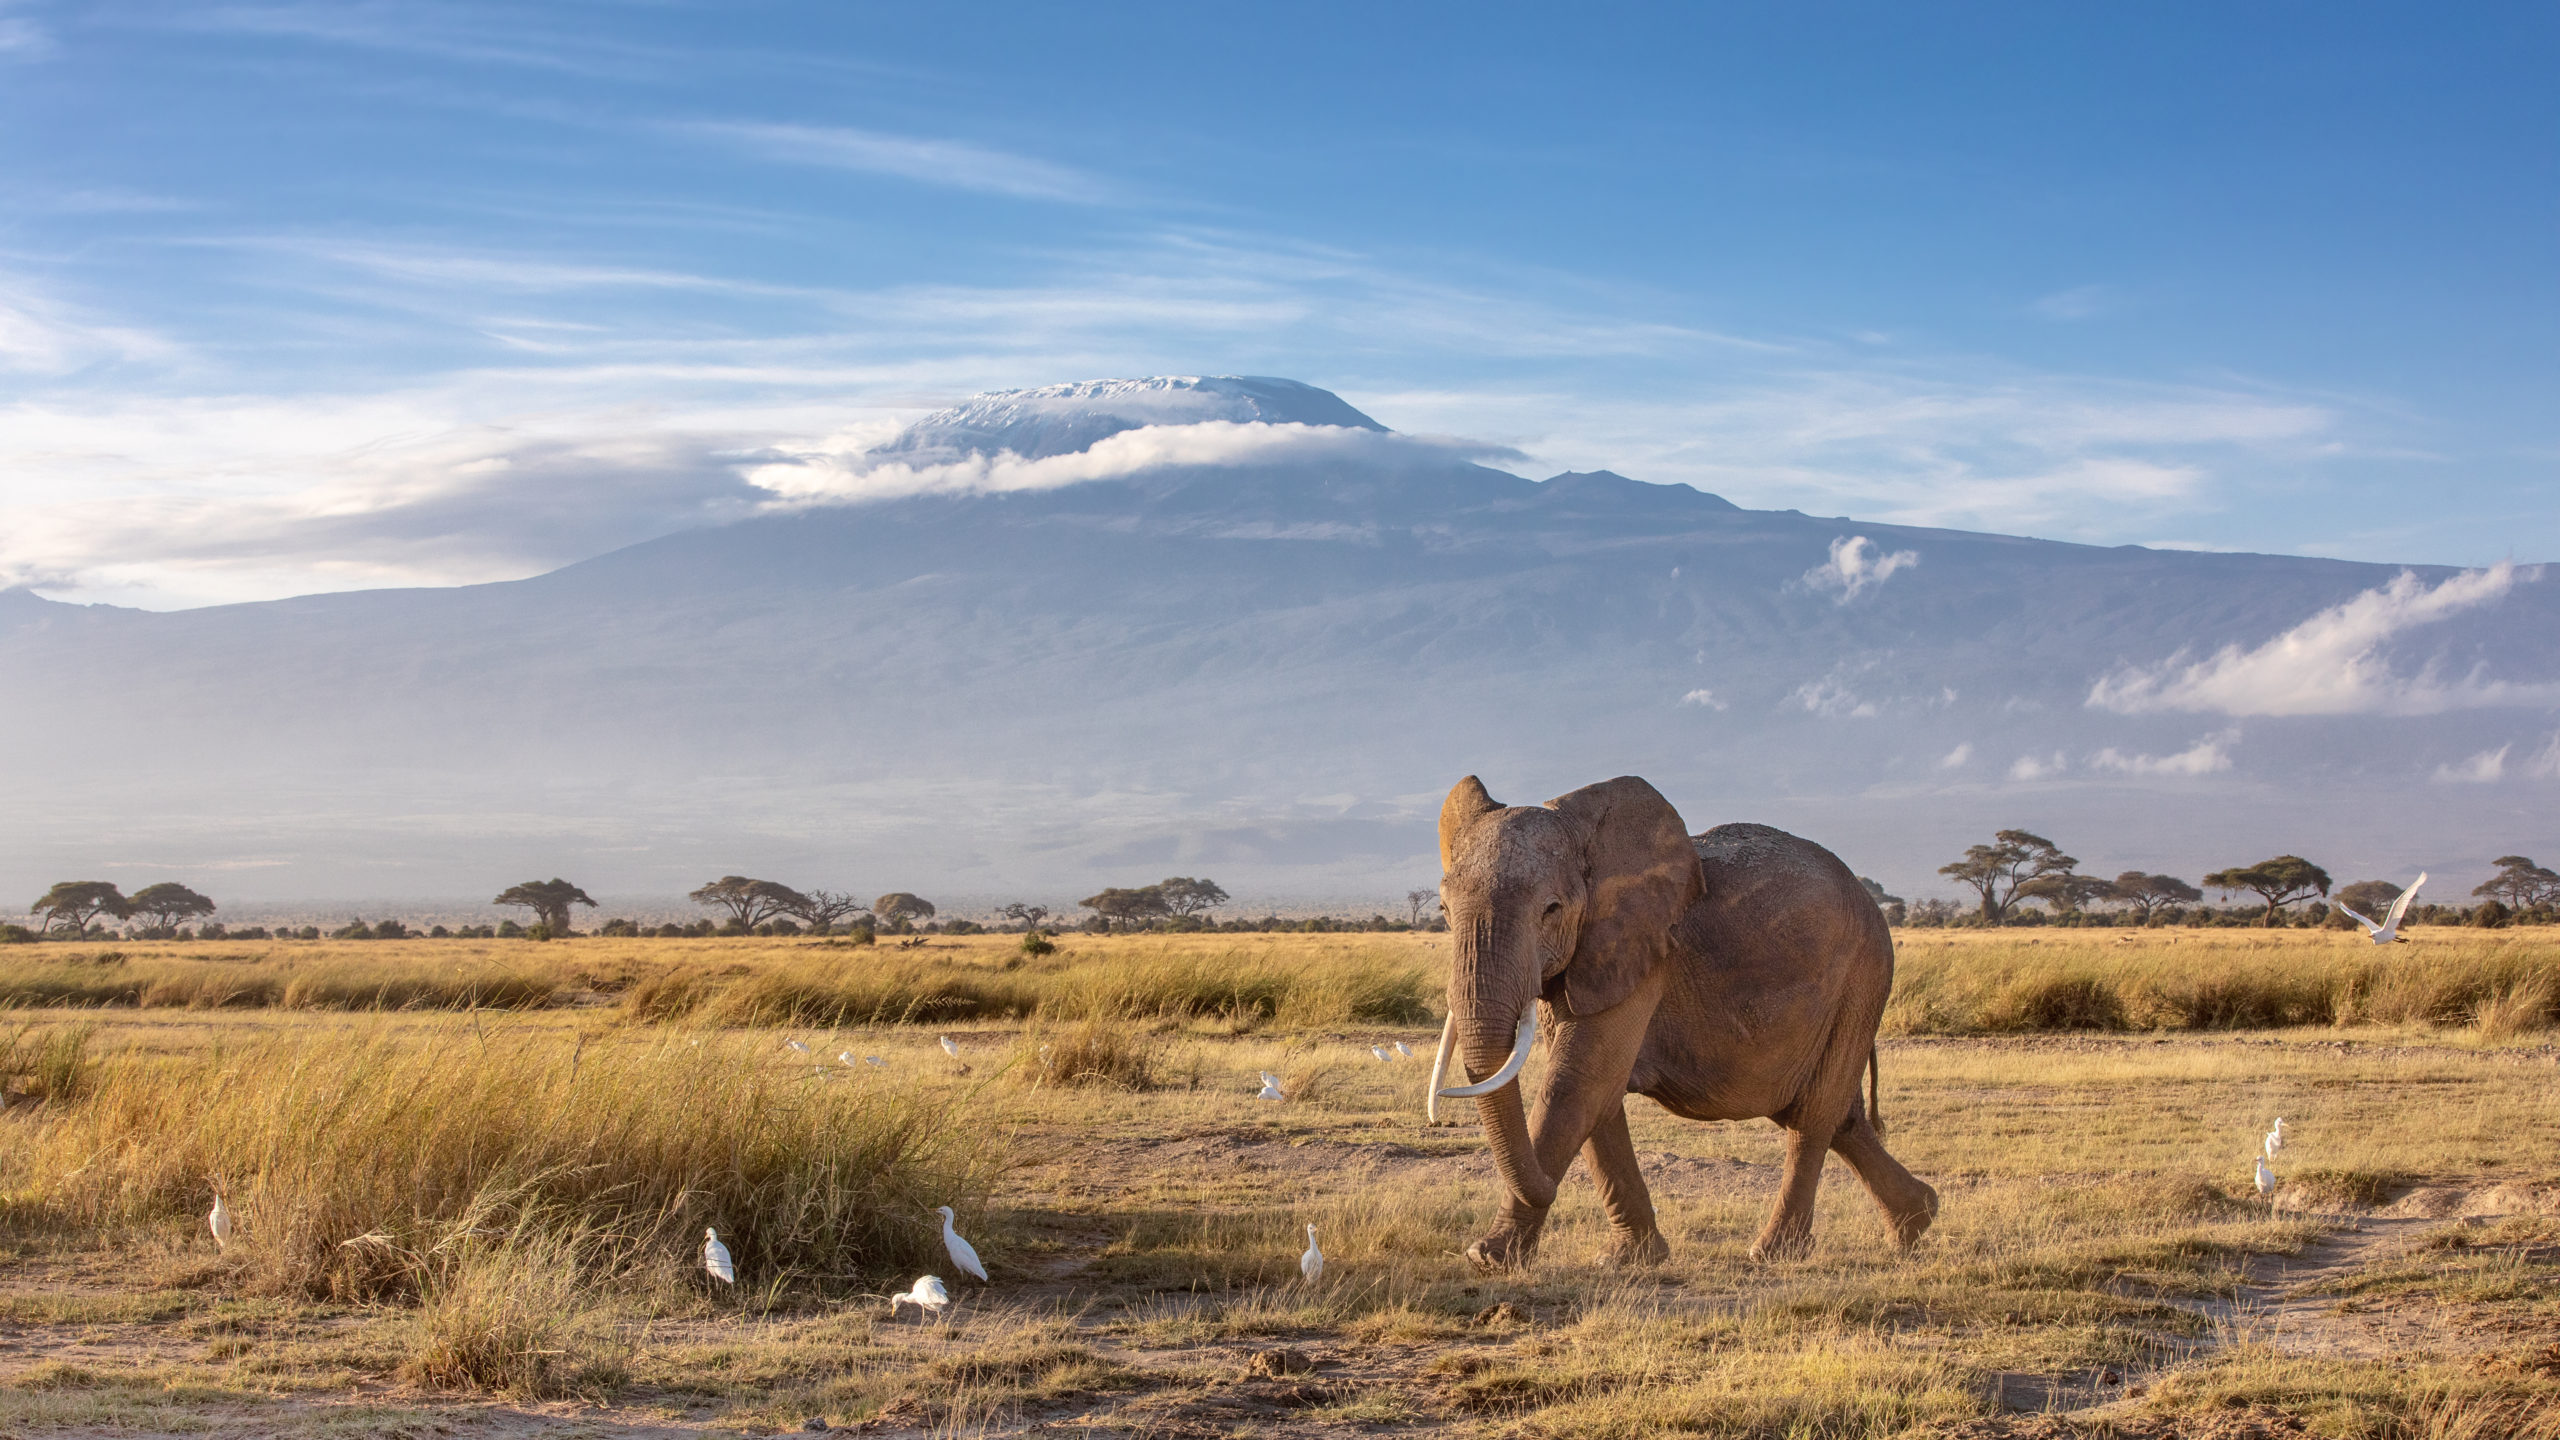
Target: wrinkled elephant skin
[(1735, 975)]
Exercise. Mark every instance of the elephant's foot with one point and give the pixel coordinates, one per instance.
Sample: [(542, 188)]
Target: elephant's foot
[(1511, 1246), (1631, 1248), (1912, 1218), (1786, 1238)]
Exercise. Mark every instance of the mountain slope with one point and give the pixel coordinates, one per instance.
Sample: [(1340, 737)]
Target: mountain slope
[(1269, 668)]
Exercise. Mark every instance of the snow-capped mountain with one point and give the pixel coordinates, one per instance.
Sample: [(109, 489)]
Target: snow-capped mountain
[(1263, 651)]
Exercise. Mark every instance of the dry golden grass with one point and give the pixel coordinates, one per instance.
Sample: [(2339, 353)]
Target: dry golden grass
[(540, 1181)]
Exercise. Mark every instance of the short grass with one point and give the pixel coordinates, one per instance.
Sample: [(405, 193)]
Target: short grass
[(442, 1213)]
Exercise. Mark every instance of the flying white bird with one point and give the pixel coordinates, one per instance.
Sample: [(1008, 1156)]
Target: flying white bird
[(1403, 1051), (2389, 929), (1270, 1087), (950, 1047), (1311, 1264), (796, 1045), (928, 1296), (715, 1258), (2266, 1178), (220, 1220), (1380, 1051), (963, 1254)]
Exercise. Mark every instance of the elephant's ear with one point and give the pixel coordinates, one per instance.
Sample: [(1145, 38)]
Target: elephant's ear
[(1641, 876), (1467, 800)]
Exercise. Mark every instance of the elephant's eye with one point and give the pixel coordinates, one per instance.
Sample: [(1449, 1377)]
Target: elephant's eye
[(1553, 906)]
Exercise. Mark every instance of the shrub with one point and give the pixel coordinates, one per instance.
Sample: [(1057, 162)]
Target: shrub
[(1094, 1052), (16, 935), (1035, 944), (509, 930)]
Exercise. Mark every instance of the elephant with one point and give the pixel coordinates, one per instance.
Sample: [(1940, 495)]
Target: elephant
[(1732, 976)]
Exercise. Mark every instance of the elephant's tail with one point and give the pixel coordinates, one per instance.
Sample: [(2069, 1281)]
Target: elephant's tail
[(1875, 1092)]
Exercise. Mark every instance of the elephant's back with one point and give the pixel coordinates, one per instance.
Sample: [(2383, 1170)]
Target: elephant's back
[(1776, 878)]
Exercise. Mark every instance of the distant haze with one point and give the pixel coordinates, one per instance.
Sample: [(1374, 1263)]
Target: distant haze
[(1102, 634)]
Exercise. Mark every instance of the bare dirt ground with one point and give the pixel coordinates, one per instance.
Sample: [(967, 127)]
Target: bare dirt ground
[(2099, 1269)]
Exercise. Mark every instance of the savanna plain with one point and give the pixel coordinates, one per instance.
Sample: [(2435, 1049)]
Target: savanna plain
[(470, 1181)]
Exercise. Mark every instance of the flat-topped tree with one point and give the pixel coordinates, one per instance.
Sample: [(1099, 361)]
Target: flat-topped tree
[(2280, 881), (168, 904), (749, 902), (1997, 871), (549, 900), (900, 908), (1128, 908), (2147, 893), (2520, 884), (71, 904), (822, 909), (1186, 897)]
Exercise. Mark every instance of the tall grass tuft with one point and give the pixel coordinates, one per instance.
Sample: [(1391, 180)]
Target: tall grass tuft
[(46, 1062), (507, 1304), (214, 981), (346, 1156), (1102, 1053)]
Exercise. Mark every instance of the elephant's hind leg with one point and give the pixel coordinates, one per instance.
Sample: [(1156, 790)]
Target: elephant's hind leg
[(1789, 1233), (1636, 1238), (1909, 1203)]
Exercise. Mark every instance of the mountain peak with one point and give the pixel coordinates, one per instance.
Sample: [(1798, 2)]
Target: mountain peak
[(1064, 419)]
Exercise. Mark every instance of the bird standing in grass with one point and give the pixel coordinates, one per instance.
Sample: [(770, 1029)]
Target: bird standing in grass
[(950, 1047), (929, 1295), (797, 1046), (220, 1221), (715, 1258), (2266, 1178), (1403, 1051), (2389, 929), (1379, 1053), (963, 1254), (847, 1057), (1270, 1087), (2274, 1143), (1311, 1264), (875, 1060)]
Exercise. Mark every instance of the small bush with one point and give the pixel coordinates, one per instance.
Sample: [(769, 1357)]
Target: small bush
[(1036, 944), (1094, 1052), (512, 1310)]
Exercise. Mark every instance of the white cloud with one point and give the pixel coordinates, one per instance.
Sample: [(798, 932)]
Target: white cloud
[(40, 335), (2205, 757), (1955, 759), (827, 475), (1855, 567), (2544, 764), (2032, 767), (2332, 663), (1831, 698), (1704, 699), (955, 164), (2485, 768)]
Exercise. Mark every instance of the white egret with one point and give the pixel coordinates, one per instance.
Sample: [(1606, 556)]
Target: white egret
[(875, 1060), (1270, 1087), (1311, 1264), (928, 1296), (220, 1221), (847, 1057), (950, 1047), (1379, 1052), (2266, 1178), (2389, 929), (796, 1045), (715, 1258), (1403, 1051), (963, 1254)]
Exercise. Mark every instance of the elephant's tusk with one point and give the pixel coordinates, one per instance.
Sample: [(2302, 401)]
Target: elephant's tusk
[(1439, 1069), (1519, 1056)]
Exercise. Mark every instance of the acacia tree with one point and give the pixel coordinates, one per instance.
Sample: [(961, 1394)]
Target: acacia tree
[(1027, 915), (1895, 910), (71, 904), (821, 909), (2520, 883), (549, 900), (168, 904), (900, 908), (2067, 891), (2280, 881), (749, 902), (1187, 897), (2147, 893), (1128, 909), (1417, 901), (1997, 870)]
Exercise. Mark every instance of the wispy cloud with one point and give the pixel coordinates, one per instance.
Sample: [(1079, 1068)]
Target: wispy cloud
[(1855, 567), (2544, 763), (2205, 757), (1831, 698), (2039, 767), (40, 335), (1704, 700), (1957, 758), (2334, 663), (2486, 768), (953, 164)]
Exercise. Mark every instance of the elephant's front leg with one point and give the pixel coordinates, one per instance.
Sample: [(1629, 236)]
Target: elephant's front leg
[(1586, 1083), (1611, 1153)]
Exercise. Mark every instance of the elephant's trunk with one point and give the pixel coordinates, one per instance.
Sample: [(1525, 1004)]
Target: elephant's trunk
[(1491, 1012)]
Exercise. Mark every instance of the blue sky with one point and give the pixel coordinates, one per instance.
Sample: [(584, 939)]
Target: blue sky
[(297, 297)]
